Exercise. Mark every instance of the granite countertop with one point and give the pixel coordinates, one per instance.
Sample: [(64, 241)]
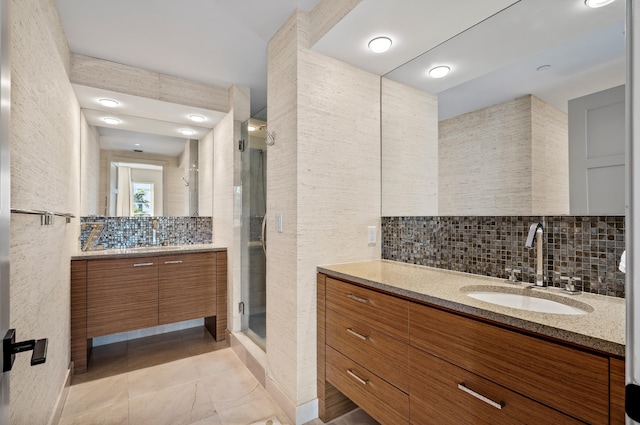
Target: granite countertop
[(602, 329), (145, 251)]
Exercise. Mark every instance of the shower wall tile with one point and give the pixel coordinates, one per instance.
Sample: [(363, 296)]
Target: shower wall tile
[(586, 247), (129, 232)]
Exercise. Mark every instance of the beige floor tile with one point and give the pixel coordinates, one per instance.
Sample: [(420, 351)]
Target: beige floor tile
[(181, 378), (217, 362), (211, 420), (255, 406), (154, 354), (102, 368), (96, 394), (167, 375), (231, 386), (355, 417), (179, 405), (117, 414)]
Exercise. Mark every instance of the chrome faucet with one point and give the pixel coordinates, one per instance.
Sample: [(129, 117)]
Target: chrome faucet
[(535, 233)]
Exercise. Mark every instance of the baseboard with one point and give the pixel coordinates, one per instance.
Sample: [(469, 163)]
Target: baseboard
[(62, 397), (296, 414), (250, 355)]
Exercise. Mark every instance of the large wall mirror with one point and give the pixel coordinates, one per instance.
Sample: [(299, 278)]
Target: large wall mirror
[(139, 156), (529, 120)]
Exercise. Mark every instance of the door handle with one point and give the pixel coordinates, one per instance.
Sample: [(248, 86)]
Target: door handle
[(264, 230), (632, 398), (10, 348)]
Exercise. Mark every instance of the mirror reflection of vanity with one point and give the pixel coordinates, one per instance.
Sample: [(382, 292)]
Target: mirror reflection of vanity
[(493, 136)]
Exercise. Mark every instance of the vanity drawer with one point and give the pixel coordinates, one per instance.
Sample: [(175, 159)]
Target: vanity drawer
[(387, 357), (567, 379), (442, 393), (381, 400), (380, 311)]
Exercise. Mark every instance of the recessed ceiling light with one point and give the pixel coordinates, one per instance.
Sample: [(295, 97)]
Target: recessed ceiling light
[(197, 118), (136, 144), (380, 44), (112, 121), (187, 132), (109, 103), (597, 3), (251, 128), (439, 71)]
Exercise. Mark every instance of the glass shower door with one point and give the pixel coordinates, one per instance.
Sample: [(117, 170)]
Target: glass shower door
[(254, 202)]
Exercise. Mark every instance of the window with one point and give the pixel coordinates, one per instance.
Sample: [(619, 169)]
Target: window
[(142, 199)]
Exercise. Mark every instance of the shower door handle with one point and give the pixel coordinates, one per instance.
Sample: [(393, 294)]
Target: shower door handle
[(264, 228)]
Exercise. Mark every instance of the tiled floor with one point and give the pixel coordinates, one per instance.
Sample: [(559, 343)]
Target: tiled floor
[(178, 378)]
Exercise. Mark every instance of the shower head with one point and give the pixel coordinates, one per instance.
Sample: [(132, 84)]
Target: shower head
[(271, 135)]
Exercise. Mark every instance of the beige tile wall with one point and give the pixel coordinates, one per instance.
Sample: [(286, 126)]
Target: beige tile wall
[(505, 159), (324, 177), (409, 151), (550, 150), (90, 169), (218, 191), (205, 175), (223, 205), (45, 174), (240, 103), (122, 78), (282, 196)]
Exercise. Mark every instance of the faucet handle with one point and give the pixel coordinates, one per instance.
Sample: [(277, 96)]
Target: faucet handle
[(570, 286), (513, 274)]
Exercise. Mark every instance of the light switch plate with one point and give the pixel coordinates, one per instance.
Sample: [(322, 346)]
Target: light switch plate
[(279, 222), (371, 234)]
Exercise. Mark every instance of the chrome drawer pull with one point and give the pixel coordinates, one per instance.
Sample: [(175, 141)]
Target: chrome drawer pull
[(354, 333), (357, 298), (142, 264), (173, 262), (357, 378), (490, 402)]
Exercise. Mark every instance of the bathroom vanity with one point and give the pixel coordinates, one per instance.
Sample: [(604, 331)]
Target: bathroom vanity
[(409, 346), (121, 290)]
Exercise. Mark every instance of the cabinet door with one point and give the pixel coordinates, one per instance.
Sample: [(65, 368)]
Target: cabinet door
[(187, 287), (122, 295)]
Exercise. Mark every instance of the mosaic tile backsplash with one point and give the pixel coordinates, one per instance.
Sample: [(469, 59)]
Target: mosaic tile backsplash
[(586, 247), (129, 232)]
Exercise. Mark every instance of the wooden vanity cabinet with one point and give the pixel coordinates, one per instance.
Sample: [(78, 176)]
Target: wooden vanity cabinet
[(116, 295), (452, 368)]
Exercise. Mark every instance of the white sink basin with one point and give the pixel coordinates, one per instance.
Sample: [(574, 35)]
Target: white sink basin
[(526, 299)]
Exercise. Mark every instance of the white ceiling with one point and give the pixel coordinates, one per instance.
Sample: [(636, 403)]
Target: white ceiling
[(225, 42)]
